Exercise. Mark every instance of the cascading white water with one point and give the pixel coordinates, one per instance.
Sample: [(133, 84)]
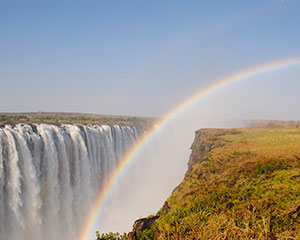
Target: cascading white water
[(49, 176)]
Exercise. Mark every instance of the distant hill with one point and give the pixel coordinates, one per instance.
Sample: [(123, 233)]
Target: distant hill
[(71, 118), (273, 124)]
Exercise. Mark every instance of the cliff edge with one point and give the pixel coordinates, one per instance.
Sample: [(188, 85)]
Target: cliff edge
[(240, 184)]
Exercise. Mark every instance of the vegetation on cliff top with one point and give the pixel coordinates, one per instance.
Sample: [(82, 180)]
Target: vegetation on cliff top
[(246, 187), (79, 118)]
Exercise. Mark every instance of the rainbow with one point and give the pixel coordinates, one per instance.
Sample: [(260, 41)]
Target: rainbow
[(239, 76)]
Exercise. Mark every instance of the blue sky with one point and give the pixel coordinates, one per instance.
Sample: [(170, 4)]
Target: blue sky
[(137, 57)]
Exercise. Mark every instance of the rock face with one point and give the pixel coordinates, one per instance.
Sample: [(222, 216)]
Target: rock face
[(141, 225), (205, 140)]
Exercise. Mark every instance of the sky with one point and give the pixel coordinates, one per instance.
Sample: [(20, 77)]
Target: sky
[(142, 58)]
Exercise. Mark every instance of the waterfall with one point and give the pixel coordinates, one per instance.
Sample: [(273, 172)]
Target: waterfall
[(49, 176)]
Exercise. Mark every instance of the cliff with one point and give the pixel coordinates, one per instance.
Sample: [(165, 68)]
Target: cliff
[(240, 184)]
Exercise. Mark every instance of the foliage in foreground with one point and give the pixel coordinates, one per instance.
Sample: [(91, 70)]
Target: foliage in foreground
[(111, 236)]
